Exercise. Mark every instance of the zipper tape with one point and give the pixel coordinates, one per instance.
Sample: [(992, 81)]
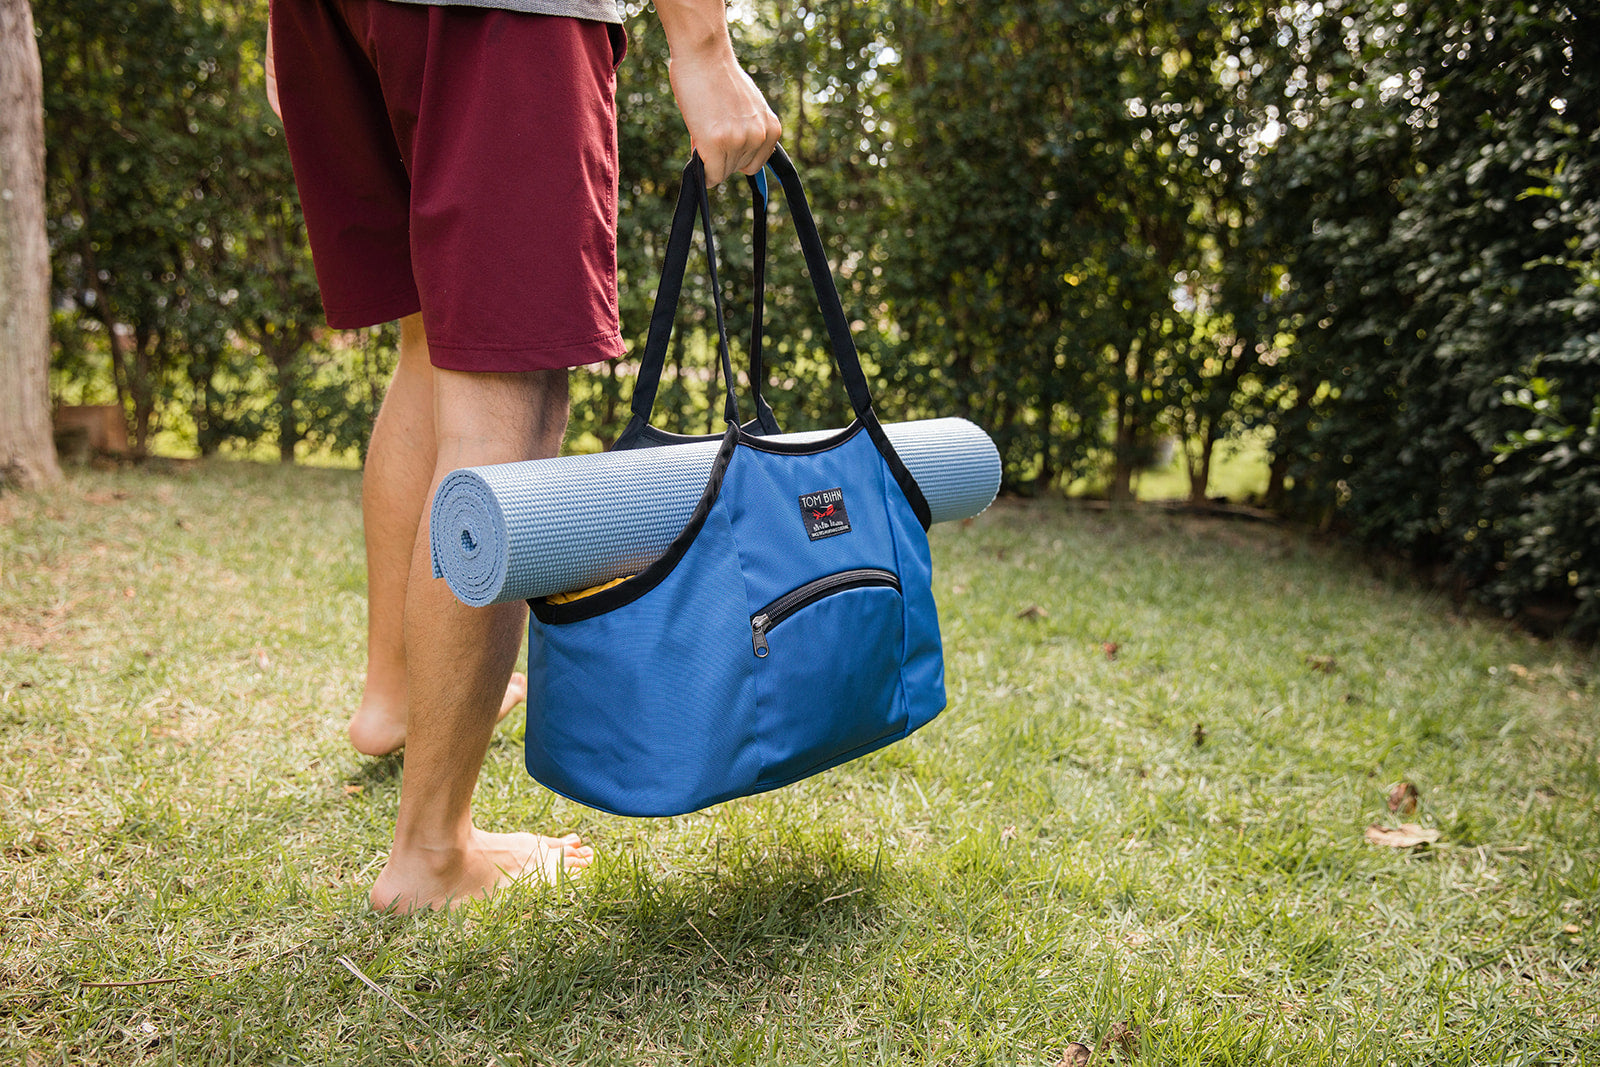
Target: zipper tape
[(763, 621)]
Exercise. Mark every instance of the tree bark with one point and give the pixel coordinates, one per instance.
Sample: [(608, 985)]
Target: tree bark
[(1128, 428), (27, 450), (1200, 466), (282, 357)]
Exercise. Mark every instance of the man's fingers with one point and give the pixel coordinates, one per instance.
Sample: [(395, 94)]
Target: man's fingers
[(758, 158), (744, 152)]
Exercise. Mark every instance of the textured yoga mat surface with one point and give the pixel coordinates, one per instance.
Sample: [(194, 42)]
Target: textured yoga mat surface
[(520, 530)]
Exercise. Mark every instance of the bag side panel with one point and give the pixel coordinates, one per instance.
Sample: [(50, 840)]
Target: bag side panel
[(637, 711), (922, 661)]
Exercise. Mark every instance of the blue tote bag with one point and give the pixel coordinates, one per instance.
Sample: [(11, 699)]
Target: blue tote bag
[(791, 624)]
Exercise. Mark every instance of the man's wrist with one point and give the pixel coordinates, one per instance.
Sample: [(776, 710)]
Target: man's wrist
[(695, 30)]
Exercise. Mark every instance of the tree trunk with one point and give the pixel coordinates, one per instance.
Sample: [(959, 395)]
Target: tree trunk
[(116, 344), (1276, 478), (27, 451), (1047, 421), (1282, 448), (613, 391), (678, 398), (288, 395), (141, 372), (1127, 439), (1200, 466)]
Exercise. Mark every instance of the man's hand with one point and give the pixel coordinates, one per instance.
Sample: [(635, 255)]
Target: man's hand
[(729, 122)]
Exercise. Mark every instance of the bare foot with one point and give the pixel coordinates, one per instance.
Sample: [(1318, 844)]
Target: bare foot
[(419, 877), (378, 727)]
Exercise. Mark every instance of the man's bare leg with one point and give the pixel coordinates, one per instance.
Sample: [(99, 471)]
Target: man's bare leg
[(457, 659), (394, 493)]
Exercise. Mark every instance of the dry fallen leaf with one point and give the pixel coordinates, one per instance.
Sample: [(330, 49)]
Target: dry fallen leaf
[(1406, 835), (1518, 669), (1033, 611), (1126, 1036), (351, 790), (1199, 734), (1403, 798), (1572, 928), (1076, 1055), (1323, 664), (1009, 833), (1110, 648)]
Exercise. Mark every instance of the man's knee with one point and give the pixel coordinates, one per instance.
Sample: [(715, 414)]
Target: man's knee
[(499, 418)]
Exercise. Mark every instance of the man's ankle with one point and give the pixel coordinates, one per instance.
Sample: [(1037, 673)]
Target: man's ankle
[(431, 850)]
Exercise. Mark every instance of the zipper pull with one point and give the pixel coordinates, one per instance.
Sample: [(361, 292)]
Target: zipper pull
[(758, 635)]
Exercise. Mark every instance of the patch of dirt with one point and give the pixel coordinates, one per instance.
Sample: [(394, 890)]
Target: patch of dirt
[(39, 631)]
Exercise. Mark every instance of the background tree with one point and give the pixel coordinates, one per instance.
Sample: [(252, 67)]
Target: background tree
[(27, 453), (1435, 230), (179, 247), (1004, 165), (1227, 122), (128, 124), (265, 261)]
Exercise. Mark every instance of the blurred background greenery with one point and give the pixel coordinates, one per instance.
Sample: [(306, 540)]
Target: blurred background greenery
[(1340, 260)]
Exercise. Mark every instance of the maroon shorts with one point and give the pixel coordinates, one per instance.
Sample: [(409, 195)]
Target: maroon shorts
[(461, 162)]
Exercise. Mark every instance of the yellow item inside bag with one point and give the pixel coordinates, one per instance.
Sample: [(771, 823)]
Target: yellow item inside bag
[(567, 598)]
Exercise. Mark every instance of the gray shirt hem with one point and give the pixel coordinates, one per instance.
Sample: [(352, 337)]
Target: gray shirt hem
[(594, 10)]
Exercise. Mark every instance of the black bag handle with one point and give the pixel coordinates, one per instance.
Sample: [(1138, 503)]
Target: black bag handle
[(759, 197), (694, 197)]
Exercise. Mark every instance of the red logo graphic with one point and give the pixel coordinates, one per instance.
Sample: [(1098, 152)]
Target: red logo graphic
[(822, 514)]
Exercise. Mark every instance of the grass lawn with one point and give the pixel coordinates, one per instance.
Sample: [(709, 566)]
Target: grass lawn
[(1240, 469), (1141, 825)]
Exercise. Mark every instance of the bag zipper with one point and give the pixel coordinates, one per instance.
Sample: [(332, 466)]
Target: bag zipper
[(789, 603)]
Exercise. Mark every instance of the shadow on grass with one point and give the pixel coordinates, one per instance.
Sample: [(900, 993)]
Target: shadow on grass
[(635, 954), (380, 770)]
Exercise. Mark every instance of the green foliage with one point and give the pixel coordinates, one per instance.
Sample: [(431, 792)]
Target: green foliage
[(1553, 456), (177, 241), (128, 177), (1362, 231), (337, 401), (999, 282), (1446, 359)]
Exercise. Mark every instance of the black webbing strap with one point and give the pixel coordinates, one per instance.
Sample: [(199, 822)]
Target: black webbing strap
[(694, 197), (765, 419), (844, 346), (653, 362), (730, 405)]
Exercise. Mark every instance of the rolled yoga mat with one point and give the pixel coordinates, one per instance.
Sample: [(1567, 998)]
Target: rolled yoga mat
[(515, 531)]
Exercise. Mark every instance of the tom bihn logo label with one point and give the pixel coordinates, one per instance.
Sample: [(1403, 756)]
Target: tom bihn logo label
[(823, 513)]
